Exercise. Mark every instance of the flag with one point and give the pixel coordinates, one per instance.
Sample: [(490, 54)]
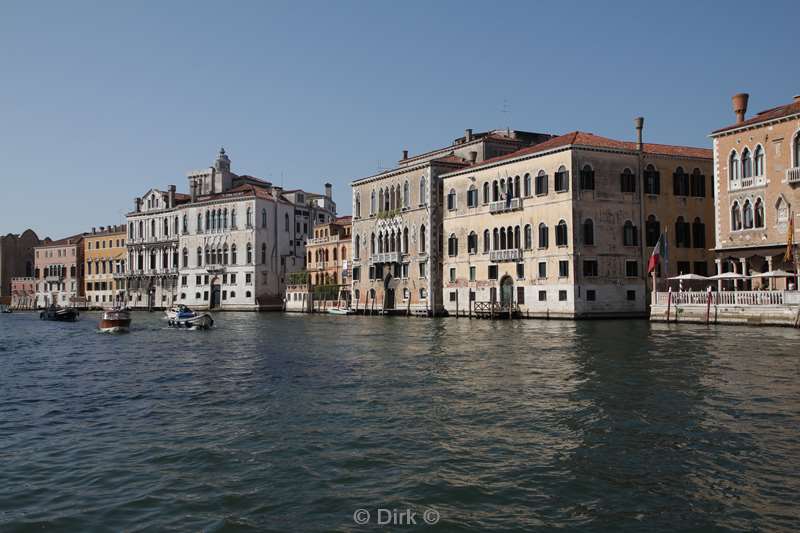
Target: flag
[(789, 239), (659, 251)]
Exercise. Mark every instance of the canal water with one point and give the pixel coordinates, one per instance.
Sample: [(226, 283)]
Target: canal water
[(275, 422)]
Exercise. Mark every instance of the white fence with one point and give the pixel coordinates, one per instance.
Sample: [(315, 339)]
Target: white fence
[(723, 298)]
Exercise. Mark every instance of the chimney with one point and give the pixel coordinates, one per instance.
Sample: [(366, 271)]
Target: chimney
[(193, 190), (473, 156), (639, 123), (405, 155), (328, 190), (171, 196), (94, 230), (137, 204), (740, 106), (468, 135)]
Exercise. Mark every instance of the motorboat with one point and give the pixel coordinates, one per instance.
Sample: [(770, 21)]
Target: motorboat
[(60, 314), (115, 320), (340, 311), (184, 318)]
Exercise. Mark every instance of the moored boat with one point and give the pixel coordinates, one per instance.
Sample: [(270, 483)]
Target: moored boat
[(115, 320), (340, 311), (184, 318), (59, 314)]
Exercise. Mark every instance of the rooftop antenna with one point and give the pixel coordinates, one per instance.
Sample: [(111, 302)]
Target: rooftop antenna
[(506, 111)]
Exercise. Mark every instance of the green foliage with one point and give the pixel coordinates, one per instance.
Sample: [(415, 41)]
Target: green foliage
[(298, 278), (326, 292)]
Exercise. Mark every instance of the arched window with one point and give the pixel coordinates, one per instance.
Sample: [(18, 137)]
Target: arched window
[(527, 185), (199, 256), (733, 166), (528, 237), (736, 217), (487, 241), (344, 253), (747, 164), (233, 218), (796, 150), (561, 233), (503, 241), (759, 161), (652, 231), (214, 258), (486, 192), (544, 235), (451, 199), (472, 196), (153, 228), (630, 236), (495, 191), (357, 247), (496, 239), (357, 208), (225, 218), (698, 233), (233, 254), (335, 255), (562, 179), (372, 202), (541, 183), (680, 182), (166, 227), (185, 224), (472, 243), (386, 199), (588, 232), (698, 185), (185, 261), (517, 189), (263, 253), (652, 180), (372, 244), (264, 217), (249, 253), (286, 221), (249, 218), (406, 195), (423, 239), (682, 238), (747, 214), (627, 181), (587, 178), (759, 213), (405, 240), (392, 205), (517, 241)]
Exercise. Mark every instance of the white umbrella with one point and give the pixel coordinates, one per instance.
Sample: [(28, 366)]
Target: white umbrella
[(690, 277), (775, 274), (729, 275)]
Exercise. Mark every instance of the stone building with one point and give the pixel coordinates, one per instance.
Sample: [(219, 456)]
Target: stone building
[(397, 216), (757, 186), (59, 272), (328, 252), (23, 292), (105, 260), (227, 245), (563, 228), (16, 258)]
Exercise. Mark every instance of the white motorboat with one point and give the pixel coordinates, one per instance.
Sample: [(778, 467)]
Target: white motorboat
[(340, 311), (182, 317)]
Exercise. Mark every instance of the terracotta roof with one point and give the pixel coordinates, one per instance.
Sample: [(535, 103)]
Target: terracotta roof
[(241, 190), (775, 113), (343, 220), (73, 239), (182, 196), (453, 159)]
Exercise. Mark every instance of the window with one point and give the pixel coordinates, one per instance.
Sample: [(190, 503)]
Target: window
[(698, 184), (542, 269), (233, 218), (453, 296), (406, 195), (733, 166), (185, 261), (541, 183), (680, 182), (632, 269), (422, 239), (249, 254), (486, 192), (652, 230), (423, 197), (747, 213), (452, 245), (700, 268), (487, 241), (630, 235), (652, 180), (563, 269), (527, 180), (736, 217), (561, 233), (683, 267), (520, 271), (357, 205), (452, 275), (587, 178), (451, 200), (747, 164), (590, 268), (627, 181), (542, 296), (588, 232), (562, 179), (682, 234), (286, 221), (423, 294), (185, 224), (698, 233), (528, 237), (521, 295), (492, 272), (472, 197), (796, 150), (472, 273), (264, 217), (264, 253), (423, 269), (759, 213), (544, 236), (759, 161), (631, 295), (590, 295), (562, 296), (472, 243)]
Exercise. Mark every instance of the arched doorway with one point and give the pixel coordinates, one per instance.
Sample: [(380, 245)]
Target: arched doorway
[(388, 290), (506, 291), (215, 293)]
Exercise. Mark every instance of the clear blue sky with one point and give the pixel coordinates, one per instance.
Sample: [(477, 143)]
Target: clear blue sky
[(101, 101)]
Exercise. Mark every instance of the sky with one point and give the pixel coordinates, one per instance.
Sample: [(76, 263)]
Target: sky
[(101, 101)]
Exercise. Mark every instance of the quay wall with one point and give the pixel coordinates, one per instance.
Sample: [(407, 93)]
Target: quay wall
[(762, 315)]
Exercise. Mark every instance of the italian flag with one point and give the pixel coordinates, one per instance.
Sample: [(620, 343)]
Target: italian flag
[(659, 251)]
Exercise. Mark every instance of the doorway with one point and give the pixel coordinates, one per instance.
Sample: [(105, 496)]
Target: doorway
[(507, 292)]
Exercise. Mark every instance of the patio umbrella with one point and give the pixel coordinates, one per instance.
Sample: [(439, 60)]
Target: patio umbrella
[(690, 277), (729, 275), (775, 274)]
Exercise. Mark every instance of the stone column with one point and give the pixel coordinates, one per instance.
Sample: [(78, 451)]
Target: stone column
[(769, 268), (743, 262), (719, 271)]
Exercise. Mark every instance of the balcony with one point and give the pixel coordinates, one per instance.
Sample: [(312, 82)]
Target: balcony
[(502, 206), (385, 257), (323, 240), (747, 183), (793, 175), (499, 256), (54, 279)]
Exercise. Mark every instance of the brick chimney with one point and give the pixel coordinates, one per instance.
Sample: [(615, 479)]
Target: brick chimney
[(639, 123), (328, 190), (740, 106), (468, 135), (405, 155), (171, 197)]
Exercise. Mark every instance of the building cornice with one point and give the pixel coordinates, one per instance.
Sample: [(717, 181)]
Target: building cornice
[(756, 125)]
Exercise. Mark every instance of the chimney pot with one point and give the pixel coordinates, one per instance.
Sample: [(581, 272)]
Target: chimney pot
[(405, 154), (638, 122), (740, 106)]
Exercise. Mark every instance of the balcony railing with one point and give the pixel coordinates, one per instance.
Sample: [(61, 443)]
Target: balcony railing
[(722, 298), (323, 240), (498, 256), (793, 175), (53, 278), (386, 257), (746, 183), (502, 206)]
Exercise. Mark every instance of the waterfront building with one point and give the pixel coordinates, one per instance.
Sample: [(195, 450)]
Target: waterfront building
[(328, 251), (59, 272), (23, 292), (16, 258), (105, 260), (229, 244), (397, 216), (757, 185), (562, 228)]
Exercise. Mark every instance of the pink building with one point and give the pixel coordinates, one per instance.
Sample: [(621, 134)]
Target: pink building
[(23, 293), (59, 272)]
